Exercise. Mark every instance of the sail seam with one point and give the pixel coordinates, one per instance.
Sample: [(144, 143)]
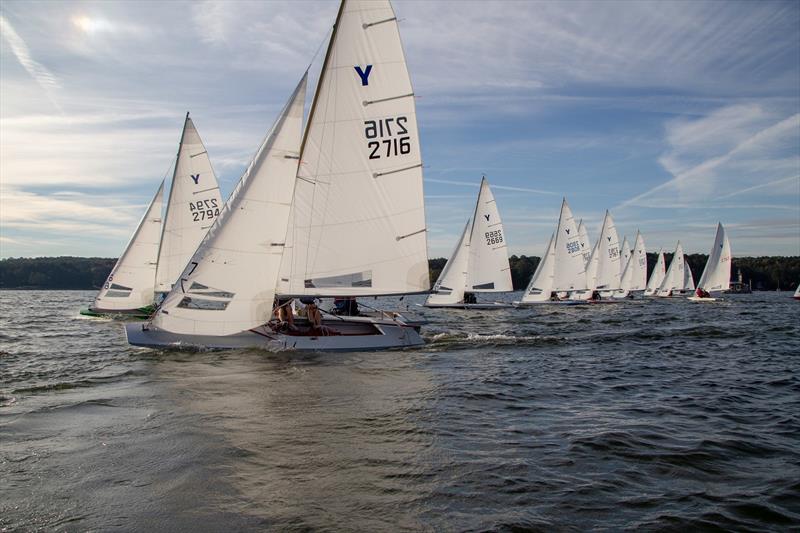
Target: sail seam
[(206, 190)]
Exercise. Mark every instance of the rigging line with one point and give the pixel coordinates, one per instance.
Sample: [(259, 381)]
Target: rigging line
[(324, 40)]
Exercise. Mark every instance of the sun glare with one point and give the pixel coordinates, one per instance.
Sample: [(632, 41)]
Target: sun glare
[(90, 25)]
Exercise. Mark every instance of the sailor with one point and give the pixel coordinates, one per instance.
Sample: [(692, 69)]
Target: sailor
[(284, 313)]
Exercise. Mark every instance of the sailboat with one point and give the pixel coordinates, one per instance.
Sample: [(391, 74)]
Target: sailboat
[(352, 210), (796, 294), (157, 252), (634, 275), (540, 287), (479, 262), (678, 279), (602, 270), (716, 276), (562, 270), (586, 244), (657, 276)]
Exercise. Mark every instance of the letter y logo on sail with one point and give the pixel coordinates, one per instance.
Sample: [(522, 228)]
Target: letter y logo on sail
[(364, 74), (195, 178), (487, 218)]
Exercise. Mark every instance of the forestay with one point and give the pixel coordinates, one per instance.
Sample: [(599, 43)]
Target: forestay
[(229, 284), (541, 285), (717, 272), (357, 224), (130, 284), (449, 288)]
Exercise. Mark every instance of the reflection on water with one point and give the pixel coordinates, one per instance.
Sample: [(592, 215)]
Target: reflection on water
[(658, 415)]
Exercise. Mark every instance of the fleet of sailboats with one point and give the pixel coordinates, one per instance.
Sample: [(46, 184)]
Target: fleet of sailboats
[(336, 210)]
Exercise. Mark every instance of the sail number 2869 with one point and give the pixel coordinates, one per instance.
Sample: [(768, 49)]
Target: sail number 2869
[(387, 137)]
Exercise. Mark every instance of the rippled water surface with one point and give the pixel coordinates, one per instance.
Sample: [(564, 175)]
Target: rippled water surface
[(640, 416)]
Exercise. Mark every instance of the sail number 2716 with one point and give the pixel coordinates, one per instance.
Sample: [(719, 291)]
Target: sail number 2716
[(387, 137)]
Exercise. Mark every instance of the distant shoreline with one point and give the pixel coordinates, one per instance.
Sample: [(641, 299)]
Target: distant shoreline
[(90, 273)]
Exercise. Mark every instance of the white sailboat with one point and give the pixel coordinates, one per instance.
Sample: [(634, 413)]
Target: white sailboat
[(603, 270), (128, 290), (159, 249), (716, 276), (678, 279), (540, 287), (796, 294), (480, 260), (634, 275), (355, 220), (657, 276)]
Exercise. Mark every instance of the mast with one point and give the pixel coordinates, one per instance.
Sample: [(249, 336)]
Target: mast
[(171, 190)]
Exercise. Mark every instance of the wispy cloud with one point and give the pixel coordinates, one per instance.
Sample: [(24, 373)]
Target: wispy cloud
[(48, 81), (493, 186)]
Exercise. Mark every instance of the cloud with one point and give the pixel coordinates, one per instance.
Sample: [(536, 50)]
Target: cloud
[(48, 81)]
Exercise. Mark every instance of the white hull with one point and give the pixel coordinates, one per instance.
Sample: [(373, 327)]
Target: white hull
[(488, 305), (347, 334), (696, 299)]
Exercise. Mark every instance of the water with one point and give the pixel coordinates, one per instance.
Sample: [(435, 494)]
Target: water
[(662, 415)]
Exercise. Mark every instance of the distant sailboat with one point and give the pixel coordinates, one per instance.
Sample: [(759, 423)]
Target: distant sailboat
[(353, 212), (634, 275), (159, 250), (480, 261), (796, 295), (716, 275), (130, 285), (678, 279), (657, 276), (540, 288)]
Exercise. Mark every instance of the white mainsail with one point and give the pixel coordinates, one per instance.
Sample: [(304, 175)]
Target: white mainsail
[(357, 224), (488, 269), (717, 272), (675, 278), (194, 203), (452, 282), (603, 272), (688, 279), (658, 274), (586, 243), (638, 264), (570, 269), (540, 287), (625, 255), (130, 284), (229, 284)]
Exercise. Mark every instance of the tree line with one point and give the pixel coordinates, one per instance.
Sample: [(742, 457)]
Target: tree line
[(766, 273)]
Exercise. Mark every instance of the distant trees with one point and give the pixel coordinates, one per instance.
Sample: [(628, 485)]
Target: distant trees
[(766, 273), (54, 272)]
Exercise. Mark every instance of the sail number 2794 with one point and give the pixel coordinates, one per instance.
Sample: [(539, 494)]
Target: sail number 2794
[(387, 137)]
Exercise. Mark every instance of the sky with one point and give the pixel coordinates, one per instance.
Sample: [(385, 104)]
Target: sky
[(672, 115)]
